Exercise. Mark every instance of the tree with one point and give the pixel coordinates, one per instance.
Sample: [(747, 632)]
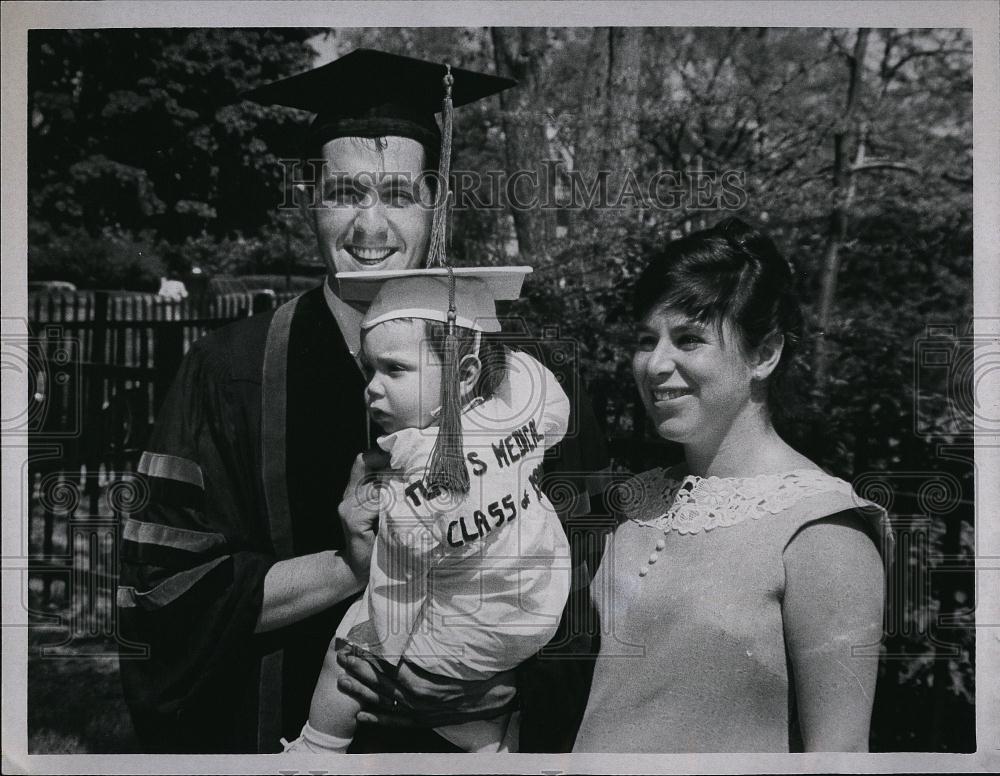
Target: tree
[(143, 132), (856, 130), (521, 54), (843, 196)]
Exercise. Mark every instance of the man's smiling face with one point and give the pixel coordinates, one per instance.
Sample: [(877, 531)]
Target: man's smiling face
[(370, 217)]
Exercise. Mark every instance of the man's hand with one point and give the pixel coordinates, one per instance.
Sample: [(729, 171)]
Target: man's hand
[(411, 700), (380, 705), (359, 515)]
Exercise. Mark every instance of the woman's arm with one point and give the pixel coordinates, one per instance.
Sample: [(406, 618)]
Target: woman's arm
[(832, 610)]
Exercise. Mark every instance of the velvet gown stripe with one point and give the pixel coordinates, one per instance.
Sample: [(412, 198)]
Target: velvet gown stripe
[(171, 467), (274, 405), (274, 401), (325, 429)]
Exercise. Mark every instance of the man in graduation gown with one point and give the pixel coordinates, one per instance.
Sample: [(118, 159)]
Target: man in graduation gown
[(234, 576)]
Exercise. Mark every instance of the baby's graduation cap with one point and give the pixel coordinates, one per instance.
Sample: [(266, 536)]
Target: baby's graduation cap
[(426, 294)]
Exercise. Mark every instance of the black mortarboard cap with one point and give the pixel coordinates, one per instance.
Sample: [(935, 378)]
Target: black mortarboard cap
[(370, 93)]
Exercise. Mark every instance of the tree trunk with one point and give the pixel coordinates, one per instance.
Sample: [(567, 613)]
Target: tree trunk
[(520, 53), (622, 103), (591, 134), (843, 194), (608, 134)]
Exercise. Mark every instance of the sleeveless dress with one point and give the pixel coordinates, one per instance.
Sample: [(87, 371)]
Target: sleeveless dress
[(689, 594)]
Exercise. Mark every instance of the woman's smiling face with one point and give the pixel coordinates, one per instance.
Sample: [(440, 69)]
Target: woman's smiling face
[(694, 378)]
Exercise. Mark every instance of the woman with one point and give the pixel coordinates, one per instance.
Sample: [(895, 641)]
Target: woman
[(734, 590)]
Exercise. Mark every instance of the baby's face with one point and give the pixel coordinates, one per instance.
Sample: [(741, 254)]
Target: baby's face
[(404, 388)]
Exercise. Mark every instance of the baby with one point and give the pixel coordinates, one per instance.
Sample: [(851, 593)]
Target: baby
[(470, 570)]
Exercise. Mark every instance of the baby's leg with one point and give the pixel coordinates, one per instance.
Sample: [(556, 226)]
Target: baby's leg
[(331, 723), (332, 711)]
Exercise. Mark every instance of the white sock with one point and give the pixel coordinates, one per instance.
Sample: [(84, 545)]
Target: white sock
[(312, 740)]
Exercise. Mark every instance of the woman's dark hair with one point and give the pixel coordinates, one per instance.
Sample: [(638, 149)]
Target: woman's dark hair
[(730, 273)]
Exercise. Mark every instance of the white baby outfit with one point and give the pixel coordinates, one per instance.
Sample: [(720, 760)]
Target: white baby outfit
[(467, 587)]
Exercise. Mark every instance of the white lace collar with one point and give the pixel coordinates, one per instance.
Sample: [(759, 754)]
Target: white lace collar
[(694, 504)]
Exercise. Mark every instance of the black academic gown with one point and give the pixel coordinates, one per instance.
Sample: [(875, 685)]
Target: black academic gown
[(248, 462), (246, 467)]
